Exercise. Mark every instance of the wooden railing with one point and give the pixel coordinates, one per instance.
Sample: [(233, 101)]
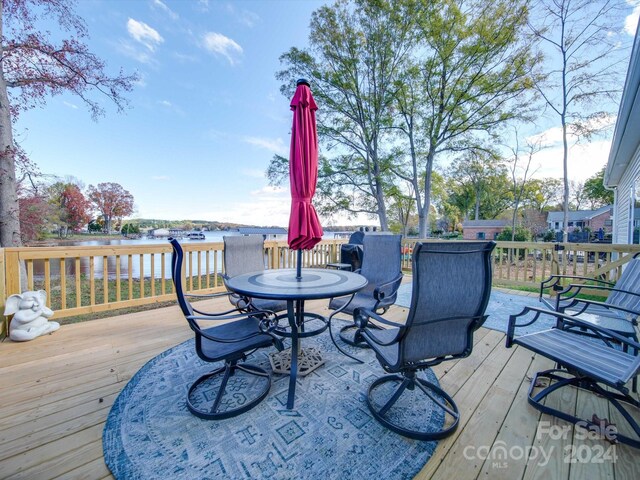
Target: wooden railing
[(82, 280)]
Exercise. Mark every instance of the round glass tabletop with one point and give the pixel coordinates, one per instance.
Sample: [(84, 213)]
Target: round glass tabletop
[(282, 284)]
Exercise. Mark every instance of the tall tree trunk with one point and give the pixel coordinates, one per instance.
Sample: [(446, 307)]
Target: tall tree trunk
[(9, 207), (565, 203), (423, 218)]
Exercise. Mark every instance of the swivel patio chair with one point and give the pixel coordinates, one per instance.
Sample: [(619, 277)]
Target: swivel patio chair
[(244, 254), (451, 288), (381, 266), (233, 335), (594, 364), (619, 312)]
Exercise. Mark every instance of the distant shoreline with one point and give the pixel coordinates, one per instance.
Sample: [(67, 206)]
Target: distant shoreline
[(56, 241)]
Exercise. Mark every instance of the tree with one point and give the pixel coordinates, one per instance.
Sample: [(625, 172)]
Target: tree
[(73, 209), (33, 66), (595, 192), (543, 194), (576, 192), (33, 217), (479, 170), (112, 201), (355, 55), (517, 165), (473, 66), (402, 208), (582, 69)]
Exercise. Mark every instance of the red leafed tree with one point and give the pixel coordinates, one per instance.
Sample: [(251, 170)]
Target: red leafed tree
[(76, 207), (33, 216), (34, 66), (112, 201)]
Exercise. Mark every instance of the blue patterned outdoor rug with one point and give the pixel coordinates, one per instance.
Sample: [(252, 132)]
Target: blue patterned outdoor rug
[(500, 306), (330, 434)]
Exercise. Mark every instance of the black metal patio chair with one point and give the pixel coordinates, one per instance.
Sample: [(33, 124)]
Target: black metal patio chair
[(381, 266), (245, 254), (232, 337), (451, 289), (591, 363), (619, 312)]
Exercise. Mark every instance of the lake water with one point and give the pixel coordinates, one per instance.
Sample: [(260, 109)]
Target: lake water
[(98, 263)]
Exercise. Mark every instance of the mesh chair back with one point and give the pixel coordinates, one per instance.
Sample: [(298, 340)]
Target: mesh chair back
[(381, 260), (356, 238), (176, 275), (451, 280), (629, 281), (243, 254)]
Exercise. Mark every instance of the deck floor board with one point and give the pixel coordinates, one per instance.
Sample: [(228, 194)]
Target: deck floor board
[(57, 390)]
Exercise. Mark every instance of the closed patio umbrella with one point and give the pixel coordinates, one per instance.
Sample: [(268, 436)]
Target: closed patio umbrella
[(305, 230)]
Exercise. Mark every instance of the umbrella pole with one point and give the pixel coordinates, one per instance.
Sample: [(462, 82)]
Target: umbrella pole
[(299, 266)]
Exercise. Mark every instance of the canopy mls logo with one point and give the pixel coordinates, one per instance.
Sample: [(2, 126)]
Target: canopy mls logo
[(500, 454)]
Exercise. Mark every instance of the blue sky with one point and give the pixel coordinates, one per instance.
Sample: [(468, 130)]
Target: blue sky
[(207, 114)]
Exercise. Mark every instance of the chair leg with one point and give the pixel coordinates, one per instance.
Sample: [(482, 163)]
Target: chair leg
[(227, 371), (433, 393), (616, 399), (336, 343)]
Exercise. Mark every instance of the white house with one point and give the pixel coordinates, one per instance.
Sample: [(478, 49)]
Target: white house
[(623, 169)]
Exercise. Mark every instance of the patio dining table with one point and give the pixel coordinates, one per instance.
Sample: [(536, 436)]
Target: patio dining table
[(282, 284)]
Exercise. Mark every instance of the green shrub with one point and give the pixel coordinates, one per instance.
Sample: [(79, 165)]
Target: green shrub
[(522, 234)]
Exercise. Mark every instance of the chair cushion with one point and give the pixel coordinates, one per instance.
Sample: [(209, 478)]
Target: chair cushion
[(583, 354), (213, 351)]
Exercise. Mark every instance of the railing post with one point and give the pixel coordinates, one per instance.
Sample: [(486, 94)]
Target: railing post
[(4, 325)]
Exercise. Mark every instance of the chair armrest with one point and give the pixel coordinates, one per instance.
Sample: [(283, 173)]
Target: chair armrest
[(194, 325), (580, 286), (387, 289), (361, 318), (211, 314), (586, 303), (602, 333), (554, 280)]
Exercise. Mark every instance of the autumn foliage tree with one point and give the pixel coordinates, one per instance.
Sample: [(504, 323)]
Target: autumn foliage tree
[(112, 201), (33, 66), (73, 209)]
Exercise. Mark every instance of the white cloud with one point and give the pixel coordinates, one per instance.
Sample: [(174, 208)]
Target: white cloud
[(273, 145), (171, 107), (266, 206), (160, 178), (584, 160), (245, 17), (218, 44), (553, 136), (631, 22), (127, 48), (70, 105), (162, 6), (144, 34)]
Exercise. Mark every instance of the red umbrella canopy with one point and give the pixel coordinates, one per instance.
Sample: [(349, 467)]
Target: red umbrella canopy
[(305, 230)]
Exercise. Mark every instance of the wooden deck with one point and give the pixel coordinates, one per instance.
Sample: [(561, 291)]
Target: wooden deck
[(57, 391)]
